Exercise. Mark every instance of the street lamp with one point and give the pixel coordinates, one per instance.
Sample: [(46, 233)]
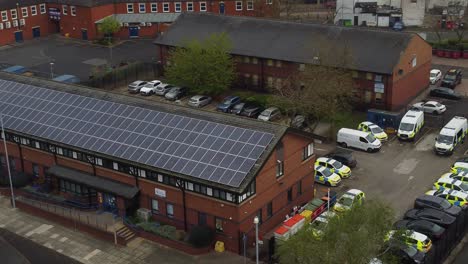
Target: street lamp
[(256, 221), (51, 70), (8, 163)]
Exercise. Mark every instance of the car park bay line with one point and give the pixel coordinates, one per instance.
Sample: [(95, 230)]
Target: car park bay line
[(422, 136)]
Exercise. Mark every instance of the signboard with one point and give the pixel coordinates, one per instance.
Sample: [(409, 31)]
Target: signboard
[(160, 193), (379, 87), (54, 13)]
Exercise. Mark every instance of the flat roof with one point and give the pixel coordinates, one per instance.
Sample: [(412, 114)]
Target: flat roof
[(143, 17)]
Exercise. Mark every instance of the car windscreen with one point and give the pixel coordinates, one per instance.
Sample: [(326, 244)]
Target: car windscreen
[(318, 224), (370, 138), (149, 85), (411, 251), (464, 186), (450, 77), (436, 228), (336, 164), (266, 113), (433, 74), (227, 101), (376, 129), (327, 173), (347, 201), (406, 127), (445, 139), (438, 105), (445, 204), (238, 106)]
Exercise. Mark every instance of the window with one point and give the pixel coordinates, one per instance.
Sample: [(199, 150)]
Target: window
[(73, 10), (279, 168), (270, 81), (270, 209), (64, 10), (278, 64), (270, 62), (42, 7), (14, 14), (201, 219), (154, 7), (400, 72), (189, 6), (259, 215), (170, 210), (35, 170), (378, 98), (254, 60), (414, 62), (142, 7), (177, 7), (269, 2), (219, 224), (202, 6), (302, 67), (250, 5), (12, 164), (154, 206), (246, 59), (308, 151), (2, 161), (33, 10), (363, 140), (290, 195), (278, 83), (299, 188), (165, 7), (24, 11), (369, 76), (238, 5), (255, 79), (378, 78), (355, 74), (24, 141), (129, 8), (414, 1)]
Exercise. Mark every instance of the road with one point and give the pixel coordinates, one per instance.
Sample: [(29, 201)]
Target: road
[(462, 258)]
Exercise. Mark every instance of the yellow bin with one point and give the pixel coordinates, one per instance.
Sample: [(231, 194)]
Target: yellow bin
[(307, 214), (219, 246)]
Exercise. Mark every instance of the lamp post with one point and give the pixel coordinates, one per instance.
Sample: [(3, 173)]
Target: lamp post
[(8, 163), (256, 221), (51, 70)]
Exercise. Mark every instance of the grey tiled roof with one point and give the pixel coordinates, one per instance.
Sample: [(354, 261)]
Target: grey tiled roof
[(370, 50), (147, 17)]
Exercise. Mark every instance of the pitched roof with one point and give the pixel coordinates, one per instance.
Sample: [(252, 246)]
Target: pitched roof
[(146, 18), (370, 50)]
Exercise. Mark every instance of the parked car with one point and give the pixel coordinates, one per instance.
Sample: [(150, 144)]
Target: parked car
[(299, 121), (135, 86), (325, 176), (163, 88), (434, 231), (251, 111), (459, 166), (335, 166), (349, 199), (461, 176), (199, 100), (412, 238), (228, 103), (269, 114), (374, 130), (431, 215), (406, 254), (452, 78), (320, 223), (454, 197), (176, 93), (435, 76), (438, 203), (398, 26), (345, 158), (443, 92), (447, 183), (150, 88), (432, 107), (237, 109)]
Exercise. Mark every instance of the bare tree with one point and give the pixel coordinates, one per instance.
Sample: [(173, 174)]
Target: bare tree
[(456, 13), (432, 23)]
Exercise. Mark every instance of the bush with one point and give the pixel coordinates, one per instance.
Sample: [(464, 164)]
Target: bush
[(201, 236), (259, 99), (166, 231)]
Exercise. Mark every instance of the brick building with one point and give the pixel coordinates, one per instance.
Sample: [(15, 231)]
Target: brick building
[(189, 167), (389, 68), (79, 18)]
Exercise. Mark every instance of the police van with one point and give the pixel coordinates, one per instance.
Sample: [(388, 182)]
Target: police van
[(357, 139), (451, 135), (411, 124)]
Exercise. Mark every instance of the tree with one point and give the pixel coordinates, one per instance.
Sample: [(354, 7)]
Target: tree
[(206, 67), (108, 27), (432, 22), (457, 13), (354, 236)]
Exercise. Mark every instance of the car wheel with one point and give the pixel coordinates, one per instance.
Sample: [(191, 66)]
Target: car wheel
[(435, 112), (344, 145), (327, 184), (369, 150)]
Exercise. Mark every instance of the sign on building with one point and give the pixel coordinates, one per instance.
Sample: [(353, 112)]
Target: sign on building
[(54, 13), (379, 87), (160, 192)]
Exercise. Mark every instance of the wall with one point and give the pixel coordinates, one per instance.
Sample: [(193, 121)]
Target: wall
[(413, 13)]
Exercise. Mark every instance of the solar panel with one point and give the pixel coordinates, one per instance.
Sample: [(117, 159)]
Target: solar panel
[(194, 147)]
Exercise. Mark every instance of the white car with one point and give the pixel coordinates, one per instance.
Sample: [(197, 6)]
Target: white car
[(435, 76), (432, 107), (150, 87)]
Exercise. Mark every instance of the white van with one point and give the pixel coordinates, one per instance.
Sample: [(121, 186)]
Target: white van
[(357, 139), (451, 135), (411, 124)]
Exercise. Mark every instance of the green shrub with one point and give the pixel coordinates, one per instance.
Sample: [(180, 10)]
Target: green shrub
[(166, 231), (452, 42), (201, 236)]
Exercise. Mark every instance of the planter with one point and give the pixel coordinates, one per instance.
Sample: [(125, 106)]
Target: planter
[(456, 54), (448, 53), (434, 51), (440, 53), (465, 54)]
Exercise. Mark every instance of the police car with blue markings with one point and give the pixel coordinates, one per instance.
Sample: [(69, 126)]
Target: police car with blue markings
[(334, 166), (324, 176), (454, 197)]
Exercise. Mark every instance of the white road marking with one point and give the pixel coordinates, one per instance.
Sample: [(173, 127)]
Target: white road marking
[(406, 166), (410, 178), (92, 254), (63, 239), (39, 230), (59, 250), (54, 236), (2, 226)]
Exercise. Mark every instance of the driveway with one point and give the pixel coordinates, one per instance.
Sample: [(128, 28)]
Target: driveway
[(72, 56)]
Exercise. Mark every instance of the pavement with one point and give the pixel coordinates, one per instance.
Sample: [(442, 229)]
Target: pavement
[(87, 249)]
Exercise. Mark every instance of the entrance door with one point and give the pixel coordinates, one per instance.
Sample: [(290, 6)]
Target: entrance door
[(84, 34), (221, 8), (133, 32), (109, 203), (19, 36), (356, 20), (36, 32)]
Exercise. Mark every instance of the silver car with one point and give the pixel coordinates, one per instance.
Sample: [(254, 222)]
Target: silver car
[(199, 100), (163, 88), (135, 86), (269, 114)]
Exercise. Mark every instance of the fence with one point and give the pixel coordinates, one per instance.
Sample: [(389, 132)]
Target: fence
[(125, 74)]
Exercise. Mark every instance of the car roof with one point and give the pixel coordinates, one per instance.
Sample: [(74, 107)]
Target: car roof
[(461, 164), (367, 123), (453, 192), (321, 168), (427, 197), (453, 70), (230, 97), (432, 102), (435, 70), (418, 236), (197, 97), (354, 191), (154, 81), (341, 154), (325, 159), (449, 180), (271, 109)]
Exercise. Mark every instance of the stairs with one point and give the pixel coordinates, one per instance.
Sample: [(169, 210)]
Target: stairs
[(126, 233)]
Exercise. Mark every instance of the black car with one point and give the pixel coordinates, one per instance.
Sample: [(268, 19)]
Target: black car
[(433, 231), (345, 158), (432, 215), (237, 109), (452, 78), (406, 254), (438, 203), (251, 111), (444, 93)]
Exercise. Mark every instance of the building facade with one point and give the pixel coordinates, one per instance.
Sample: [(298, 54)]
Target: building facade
[(80, 169), (80, 19)]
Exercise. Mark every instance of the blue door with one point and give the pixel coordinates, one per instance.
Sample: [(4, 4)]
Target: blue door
[(84, 34), (109, 202), (36, 32), (19, 36), (221, 8), (133, 32)]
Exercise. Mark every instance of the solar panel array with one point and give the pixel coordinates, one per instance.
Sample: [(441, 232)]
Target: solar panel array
[(211, 151)]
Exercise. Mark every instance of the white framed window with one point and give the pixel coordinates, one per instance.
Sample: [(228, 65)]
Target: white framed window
[(98, 161), (414, 62), (302, 67), (170, 210), (59, 151), (42, 7), (7, 24), (154, 206), (115, 165), (308, 151), (37, 145), (189, 6), (65, 9), (154, 7), (73, 10), (130, 8), (165, 7), (14, 14), (202, 6), (142, 7), (238, 5), (4, 16), (24, 141), (279, 168), (15, 23), (269, 2), (209, 191), (250, 5), (33, 10), (177, 7), (24, 12), (160, 178), (189, 186)]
